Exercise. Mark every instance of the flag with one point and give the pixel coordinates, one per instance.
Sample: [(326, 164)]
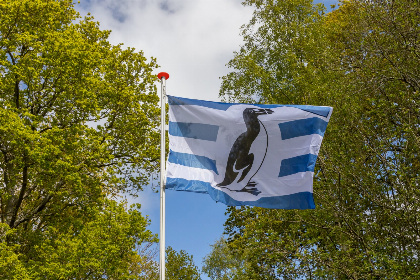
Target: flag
[(245, 154)]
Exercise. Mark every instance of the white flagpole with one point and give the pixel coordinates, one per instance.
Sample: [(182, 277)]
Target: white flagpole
[(162, 77)]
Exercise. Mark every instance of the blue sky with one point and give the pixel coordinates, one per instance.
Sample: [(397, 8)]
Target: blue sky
[(192, 40)]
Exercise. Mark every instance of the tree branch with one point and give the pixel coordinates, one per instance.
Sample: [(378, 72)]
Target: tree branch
[(21, 195)]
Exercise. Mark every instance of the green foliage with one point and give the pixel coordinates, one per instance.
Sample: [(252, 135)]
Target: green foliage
[(103, 243), (79, 122), (11, 266), (106, 245), (222, 263), (362, 59), (180, 265)]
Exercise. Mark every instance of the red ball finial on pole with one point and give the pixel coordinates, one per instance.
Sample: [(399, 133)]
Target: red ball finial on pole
[(163, 74)]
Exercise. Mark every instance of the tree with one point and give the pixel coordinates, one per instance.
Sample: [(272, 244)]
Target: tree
[(222, 263), (79, 122), (180, 265), (362, 59)]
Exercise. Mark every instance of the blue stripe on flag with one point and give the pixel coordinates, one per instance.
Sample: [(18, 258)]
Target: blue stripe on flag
[(301, 200), (302, 127), (172, 100), (194, 130), (191, 160), (297, 164), (317, 110), (179, 184)]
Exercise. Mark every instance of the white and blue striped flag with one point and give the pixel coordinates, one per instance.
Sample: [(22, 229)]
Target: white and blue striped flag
[(245, 154)]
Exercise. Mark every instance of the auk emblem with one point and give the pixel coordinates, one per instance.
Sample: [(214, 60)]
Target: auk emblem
[(240, 159)]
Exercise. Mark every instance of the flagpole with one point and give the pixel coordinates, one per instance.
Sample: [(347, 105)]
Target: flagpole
[(162, 77)]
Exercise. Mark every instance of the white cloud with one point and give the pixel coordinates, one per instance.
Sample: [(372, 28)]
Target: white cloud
[(192, 40)]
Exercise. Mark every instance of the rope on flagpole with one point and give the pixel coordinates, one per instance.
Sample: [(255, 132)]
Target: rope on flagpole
[(162, 77)]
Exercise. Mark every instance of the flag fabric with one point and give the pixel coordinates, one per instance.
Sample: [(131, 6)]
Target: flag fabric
[(245, 154)]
